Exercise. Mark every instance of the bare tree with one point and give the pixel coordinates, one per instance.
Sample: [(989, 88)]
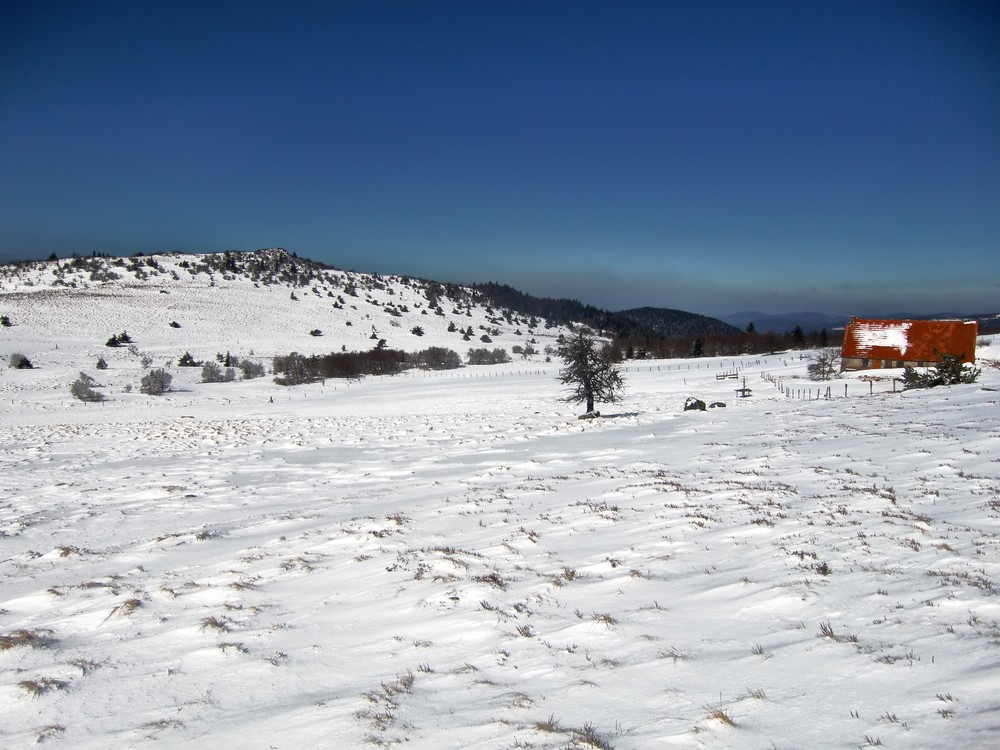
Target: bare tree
[(590, 371), (825, 365)]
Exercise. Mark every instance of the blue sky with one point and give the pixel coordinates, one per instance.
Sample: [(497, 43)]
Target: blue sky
[(841, 157)]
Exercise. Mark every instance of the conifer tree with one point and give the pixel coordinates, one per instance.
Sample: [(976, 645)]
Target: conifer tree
[(590, 372)]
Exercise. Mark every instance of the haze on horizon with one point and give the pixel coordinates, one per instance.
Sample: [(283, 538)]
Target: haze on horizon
[(711, 157)]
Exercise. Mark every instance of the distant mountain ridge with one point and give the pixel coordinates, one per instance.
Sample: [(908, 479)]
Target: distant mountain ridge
[(785, 322), (814, 321), (644, 322)]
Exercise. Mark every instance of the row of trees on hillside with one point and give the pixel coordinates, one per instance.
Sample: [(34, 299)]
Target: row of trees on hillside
[(296, 368), (724, 345), (153, 383)]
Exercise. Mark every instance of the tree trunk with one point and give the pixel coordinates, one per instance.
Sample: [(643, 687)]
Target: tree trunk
[(590, 402)]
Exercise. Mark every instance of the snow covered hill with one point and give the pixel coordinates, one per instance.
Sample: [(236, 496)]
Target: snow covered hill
[(454, 560), (266, 301)]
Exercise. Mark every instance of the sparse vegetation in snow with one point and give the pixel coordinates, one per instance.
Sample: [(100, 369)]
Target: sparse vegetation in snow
[(358, 553)]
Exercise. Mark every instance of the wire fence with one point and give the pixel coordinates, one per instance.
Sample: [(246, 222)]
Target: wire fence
[(865, 386)]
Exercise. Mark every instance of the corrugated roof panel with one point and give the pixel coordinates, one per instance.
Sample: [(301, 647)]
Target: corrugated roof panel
[(910, 340)]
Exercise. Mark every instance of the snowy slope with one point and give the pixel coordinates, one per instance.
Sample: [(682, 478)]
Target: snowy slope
[(217, 308), (453, 560)]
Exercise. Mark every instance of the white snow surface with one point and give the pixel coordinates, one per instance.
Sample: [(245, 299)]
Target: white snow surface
[(894, 335), (454, 560)]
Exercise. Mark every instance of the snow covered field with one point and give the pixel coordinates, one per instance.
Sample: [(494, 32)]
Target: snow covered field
[(455, 561)]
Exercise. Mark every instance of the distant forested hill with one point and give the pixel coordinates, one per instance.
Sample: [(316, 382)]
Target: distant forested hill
[(648, 322), (669, 323)]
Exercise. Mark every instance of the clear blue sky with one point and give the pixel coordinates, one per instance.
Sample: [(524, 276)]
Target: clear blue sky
[(709, 156)]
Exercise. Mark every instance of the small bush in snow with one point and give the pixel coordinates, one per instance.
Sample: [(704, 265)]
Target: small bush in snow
[(949, 371), (83, 389), (20, 362), (251, 370), (188, 361), (5, 321), (119, 339), (487, 357), (437, 358), (291, 369), (102, 364), (211, 372), (155, 382)]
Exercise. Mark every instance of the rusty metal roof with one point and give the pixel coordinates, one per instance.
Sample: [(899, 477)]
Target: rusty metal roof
[(910, 340)]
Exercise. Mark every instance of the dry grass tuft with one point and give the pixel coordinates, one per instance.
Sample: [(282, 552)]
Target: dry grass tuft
[(604, 618), (48, 732), (670, 653), (86, 666), (493, 579), (403, 684), (549, 726), (161, 724), (127, 607), (220, 624), (29, 638), (721, 715), (587, 736), (41, 686), (563, 577)]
